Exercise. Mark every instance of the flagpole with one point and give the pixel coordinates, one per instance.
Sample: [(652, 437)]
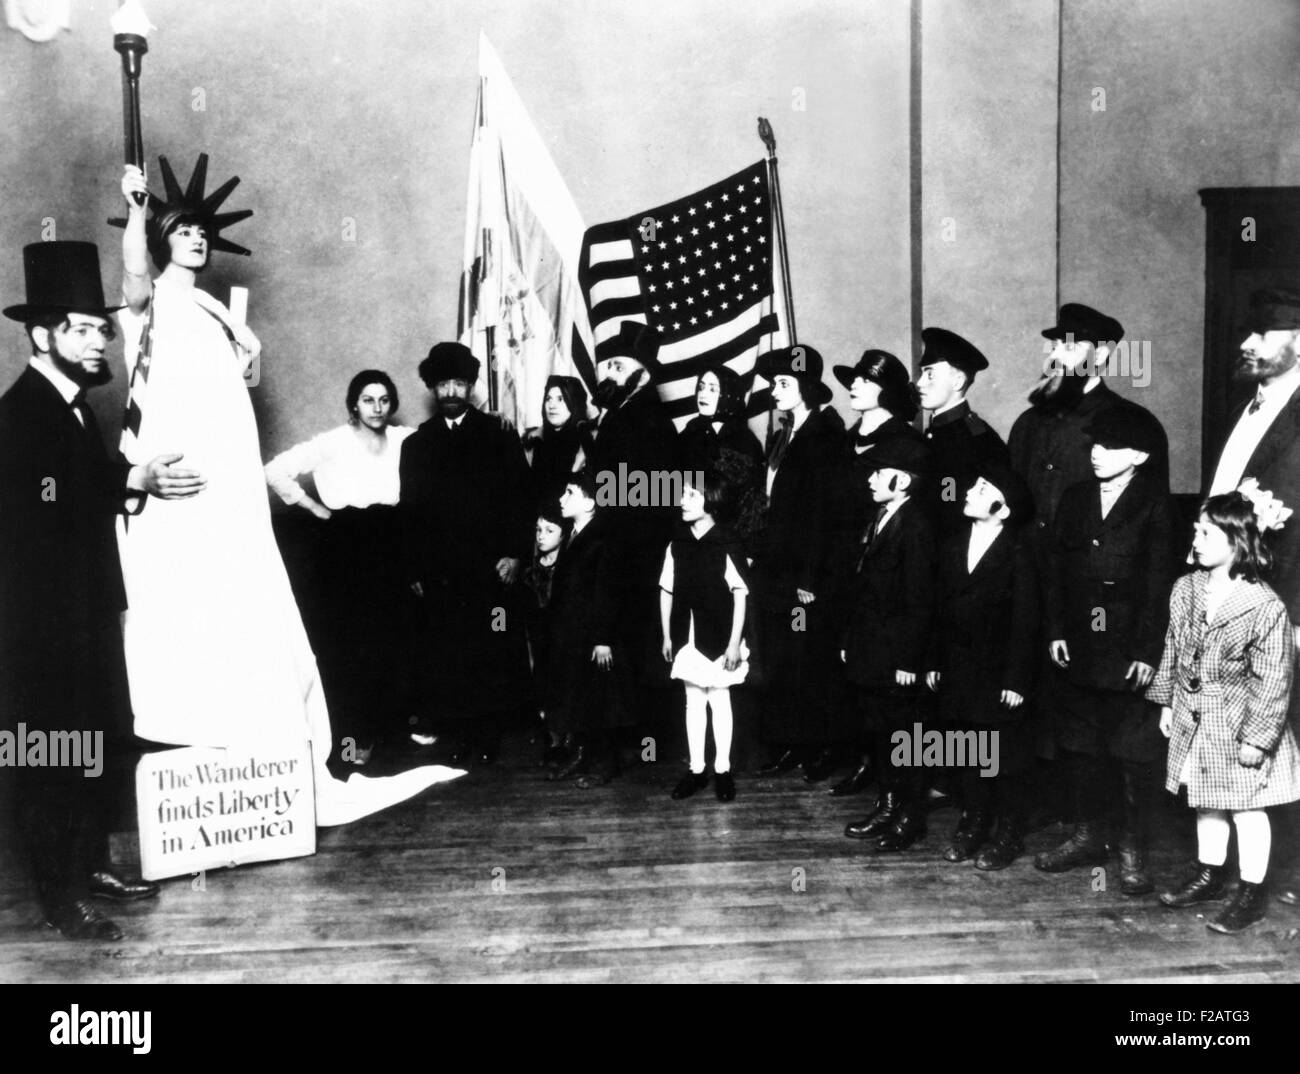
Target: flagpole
[(774, 180)]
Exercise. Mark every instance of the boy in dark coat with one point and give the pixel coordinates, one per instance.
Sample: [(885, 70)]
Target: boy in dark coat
[(984, 656), (589, 668), (888, 620), (1112, 557)]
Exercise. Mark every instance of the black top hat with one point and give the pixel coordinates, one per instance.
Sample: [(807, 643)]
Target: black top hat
[(1126, 427), (940, 345), (639, 342), (1273, 308), (802, 362), (899, 453), (62, 277), (1011, 486), (1084, 324), (449, 361)]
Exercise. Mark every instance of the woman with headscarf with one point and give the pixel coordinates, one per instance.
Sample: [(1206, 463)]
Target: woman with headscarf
[(564, 410)]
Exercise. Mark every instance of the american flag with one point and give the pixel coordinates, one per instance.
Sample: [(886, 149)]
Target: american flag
[(699, 272)]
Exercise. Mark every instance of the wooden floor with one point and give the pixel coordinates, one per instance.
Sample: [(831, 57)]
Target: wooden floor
[(623, 884)]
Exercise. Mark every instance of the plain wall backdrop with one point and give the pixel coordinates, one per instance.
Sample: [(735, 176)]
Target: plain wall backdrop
[(341, 110)]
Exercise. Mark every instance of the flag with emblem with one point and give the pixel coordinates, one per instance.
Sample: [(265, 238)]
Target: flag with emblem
[(699, 272), (521, 312)]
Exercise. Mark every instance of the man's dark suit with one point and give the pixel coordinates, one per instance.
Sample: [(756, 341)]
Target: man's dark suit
[(466, 503), (61, 597)]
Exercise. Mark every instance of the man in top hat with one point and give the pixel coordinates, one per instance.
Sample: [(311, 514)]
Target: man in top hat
[(960, 440), (796, 578), (62, 668), (1264, 443), (634, 435), (467, 510)]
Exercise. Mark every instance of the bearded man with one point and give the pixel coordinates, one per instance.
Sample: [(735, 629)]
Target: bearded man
[(468, 521), (1265, 444)]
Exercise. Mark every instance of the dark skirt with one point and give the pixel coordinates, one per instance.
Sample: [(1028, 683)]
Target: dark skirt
[(364, 625)]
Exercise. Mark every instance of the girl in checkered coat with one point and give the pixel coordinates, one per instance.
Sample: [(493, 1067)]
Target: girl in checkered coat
[(1224, 684)]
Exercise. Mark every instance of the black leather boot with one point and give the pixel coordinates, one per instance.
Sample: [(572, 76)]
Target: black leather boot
[(689, 784), (785, 761), (1247, 907), (1087, 846), (576, 764), (886, 811), (1134, 878), (971, 834), (1205, 886), (1006, 847), (820, 767), (908, 827), (854, 784)]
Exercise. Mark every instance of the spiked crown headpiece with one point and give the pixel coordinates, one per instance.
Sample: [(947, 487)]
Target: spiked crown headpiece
[(194, 204)]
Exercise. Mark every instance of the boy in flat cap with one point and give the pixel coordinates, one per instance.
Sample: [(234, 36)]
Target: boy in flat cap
[(885, 636), (961, 440), (983, 659), (1112, 556), (468, 520)]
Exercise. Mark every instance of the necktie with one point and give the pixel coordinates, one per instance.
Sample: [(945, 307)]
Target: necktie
[(82, 410), (780, 442), (1256, 403), (869, 538)]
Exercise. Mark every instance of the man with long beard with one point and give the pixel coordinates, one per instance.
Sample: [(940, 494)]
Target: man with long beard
[(1265, 444), (1050, 448)]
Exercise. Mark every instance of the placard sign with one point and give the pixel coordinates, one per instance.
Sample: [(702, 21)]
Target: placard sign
[(203, 808)]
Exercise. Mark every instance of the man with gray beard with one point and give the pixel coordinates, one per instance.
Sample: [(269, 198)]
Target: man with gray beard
[(1265, 444)]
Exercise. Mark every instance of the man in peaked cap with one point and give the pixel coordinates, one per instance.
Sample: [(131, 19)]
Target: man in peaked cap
[(62, 668), (1263, 442), (959, 438), (468, 518)]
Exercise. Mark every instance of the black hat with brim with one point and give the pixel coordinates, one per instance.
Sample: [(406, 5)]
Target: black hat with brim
[(1126, 427), (1084, 324), (61, 277), (637, 341), (449, 361), (1011, 487), (1273, 309), (899, 453), (802, 362)]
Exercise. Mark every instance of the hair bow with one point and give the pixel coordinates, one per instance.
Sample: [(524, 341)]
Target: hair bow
[(1270, 512)]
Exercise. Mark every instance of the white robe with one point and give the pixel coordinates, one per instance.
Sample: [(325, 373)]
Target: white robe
[(215, 646)]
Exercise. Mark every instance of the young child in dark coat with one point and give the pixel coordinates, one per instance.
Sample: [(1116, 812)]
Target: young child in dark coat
[(985, 651), (884, 643), (538, 578), (589, 669), (1112, 556)]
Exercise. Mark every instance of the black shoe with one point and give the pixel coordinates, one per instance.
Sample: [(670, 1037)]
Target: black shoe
[(106, 884), (1289, 895), (1247, 907), (79, 920), (887, 806), (971, 834), (1205, 886), (689, 784), (907, 829), (1006, 847), (553, 757), (724, 786), (820, 767), (854, 784), (1087, 846), (576, 765), (1134, 879), (597, 777), (783, 762)]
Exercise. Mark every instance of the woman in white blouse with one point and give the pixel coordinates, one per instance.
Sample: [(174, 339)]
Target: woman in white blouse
[(364, 625)]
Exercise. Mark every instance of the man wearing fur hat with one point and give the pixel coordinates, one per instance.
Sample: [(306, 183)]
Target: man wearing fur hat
[(468, 520)]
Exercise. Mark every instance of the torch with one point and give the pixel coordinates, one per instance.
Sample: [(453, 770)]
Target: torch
[(130, 29)]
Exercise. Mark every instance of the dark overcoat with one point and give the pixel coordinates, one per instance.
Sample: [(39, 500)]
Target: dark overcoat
[(892, 601), (584, 611), (466, 503), (795, 646), (61, 593), (1228, 681), (987, 629), (1107, 581)]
